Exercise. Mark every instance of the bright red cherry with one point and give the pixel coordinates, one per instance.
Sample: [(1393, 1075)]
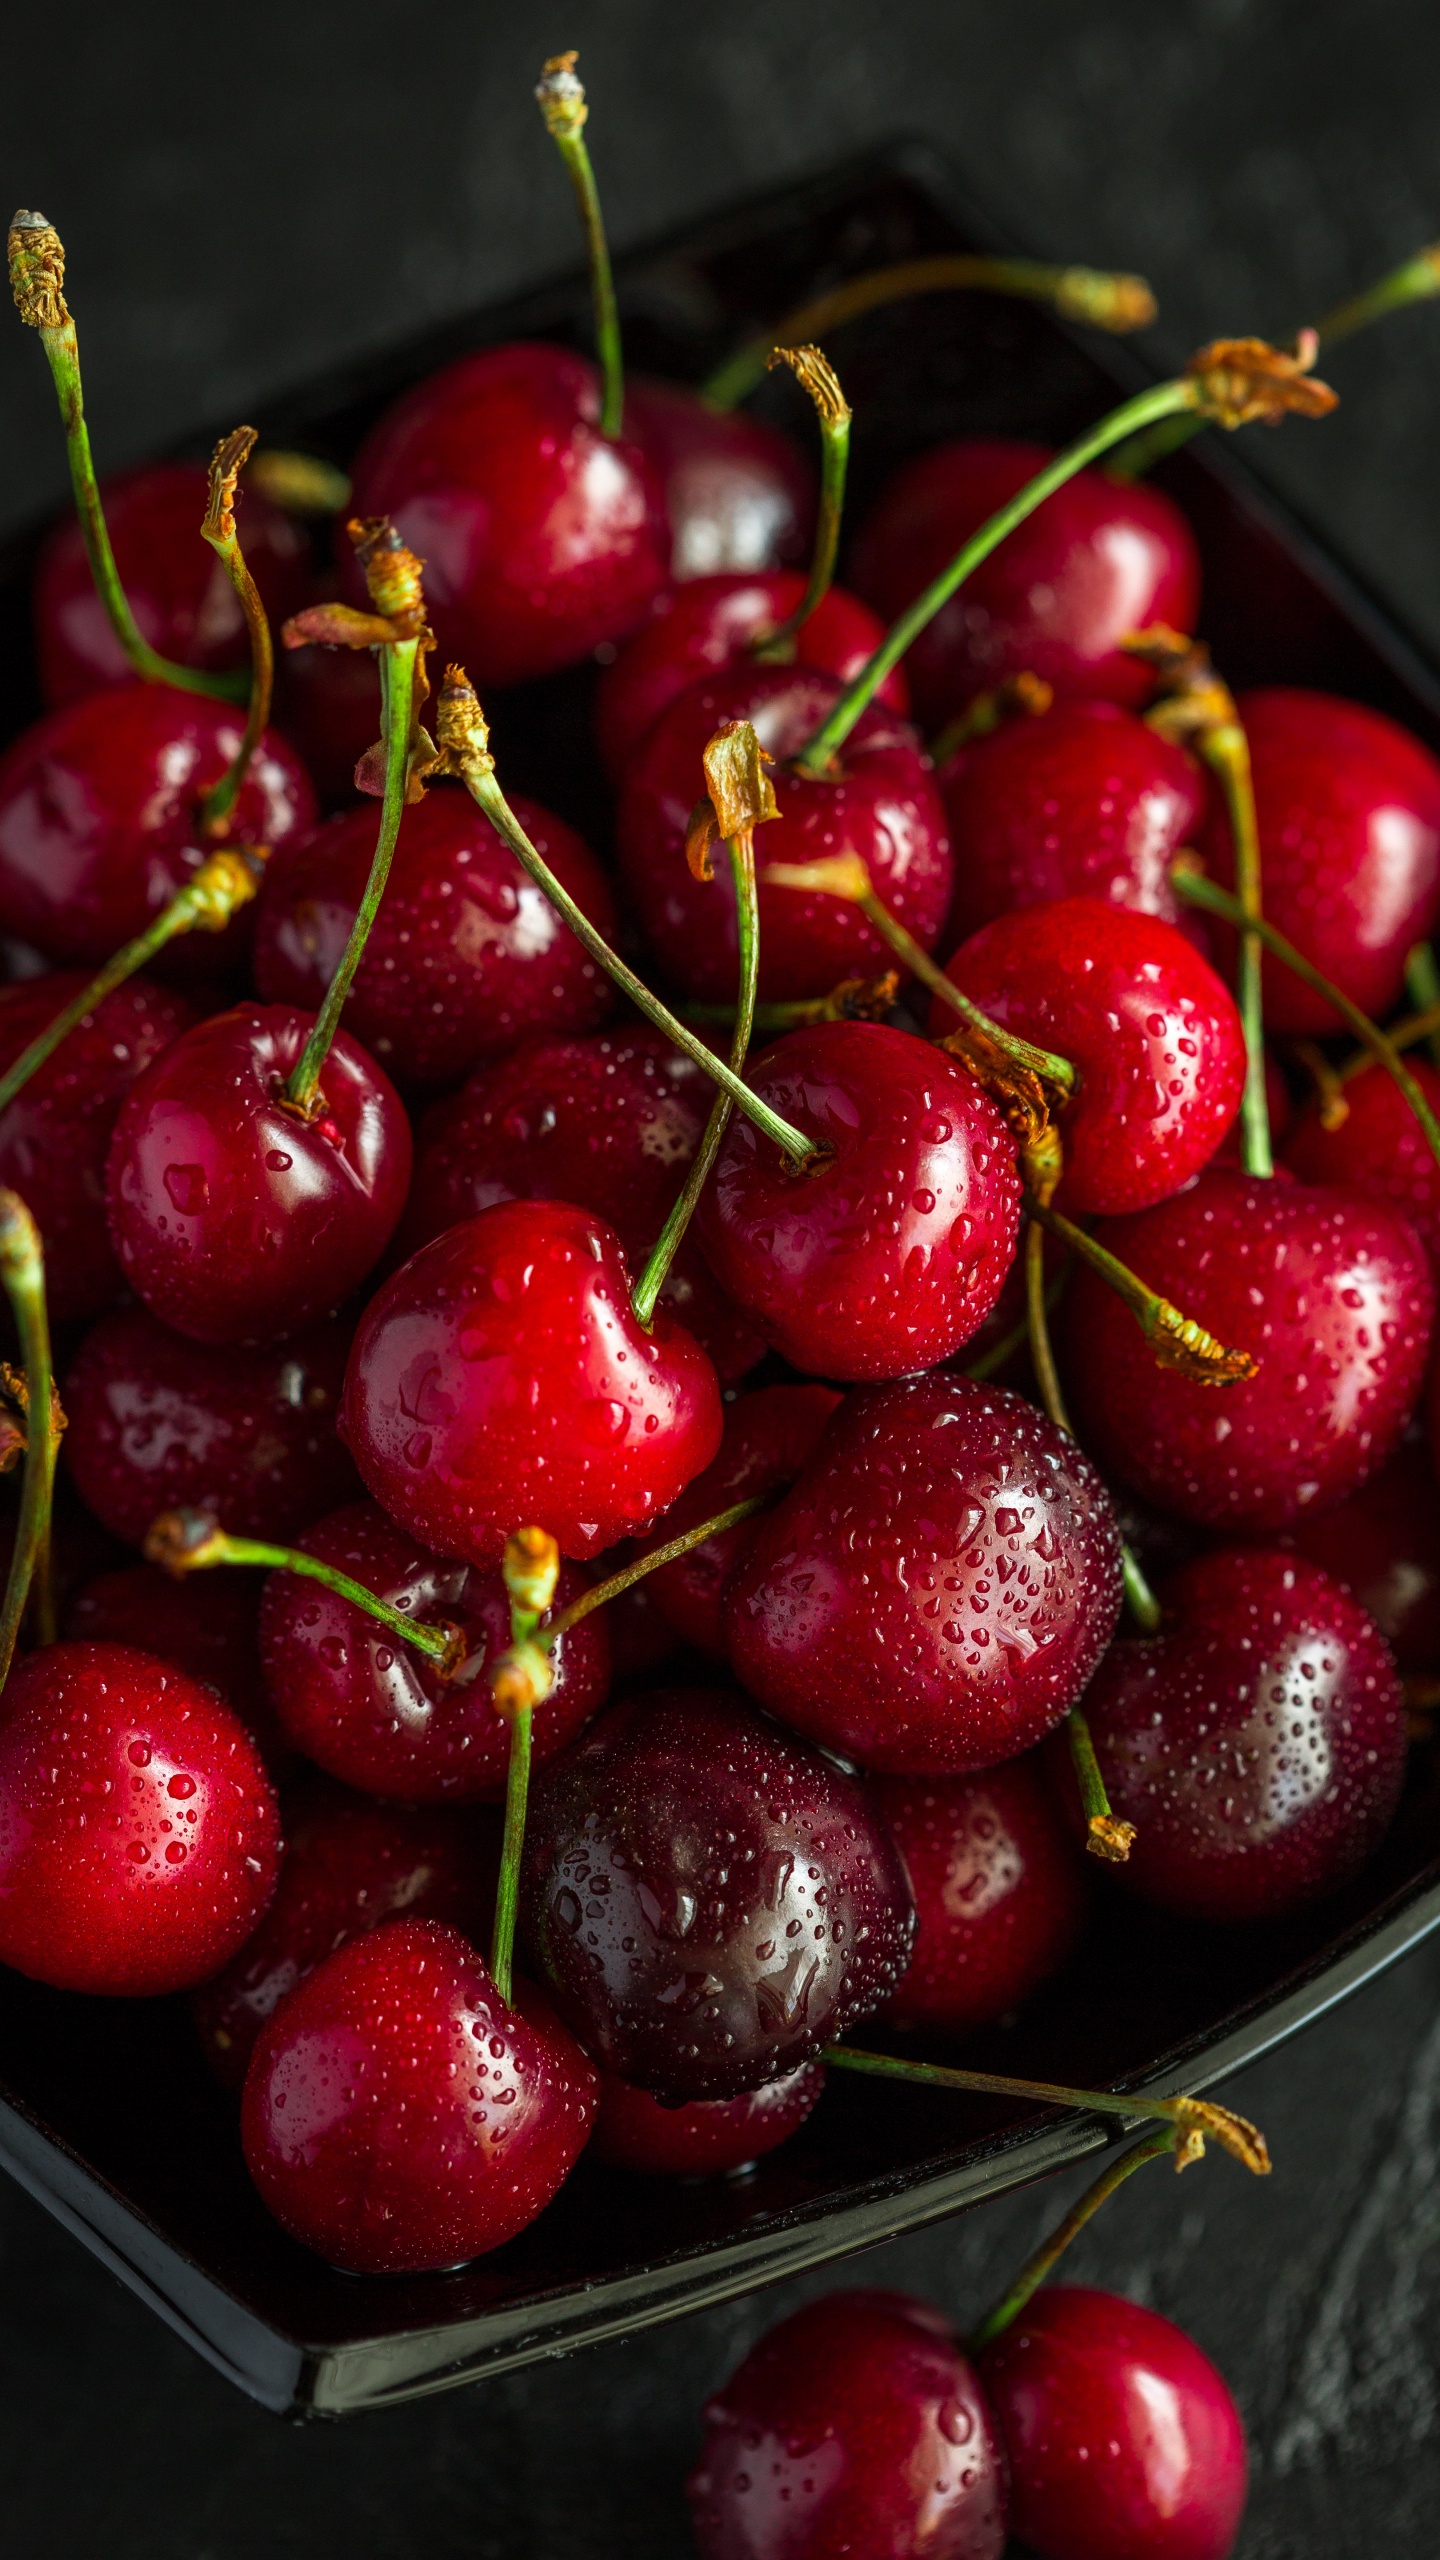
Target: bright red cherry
[(710, 2138), (541, 538), (1379, 1148), (738, 493), (398, 2117), (1124, 2442), (708, 1900), (1329, 1293), (139, 1841), (500, 1377), (887, 1253), (1152, 1033), (1383, 1547), (1098, 560), (204, 1626), (936, 1590), (1000, 1893), (236, 1219), (858, 2425), (770, 1437)]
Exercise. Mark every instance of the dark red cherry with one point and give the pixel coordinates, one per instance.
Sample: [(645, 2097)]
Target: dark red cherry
[(880, 802), (707, 2139), (1383, 1547), (1100, 559), (858, 2425), (1152, 1033), (887, 1253), (158, 1423), (708, 1900), (738, 494), (1348, 807), (466, 954), (936, 1590), (770, 1437), (327, 703), (1379, 1148), (205, 1626), (55, 1135), (237, 1220), (541, 538), (1329, 1293), (399, 2117), (1084, 802), (1000, 1893), (100, 819), (500, 1377), (139, 1841), (1124, 2442)]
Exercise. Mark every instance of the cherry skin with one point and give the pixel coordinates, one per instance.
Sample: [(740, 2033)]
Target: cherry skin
[(1379, 1148), (857, 2425), (399, 2118), (234, 1218), (880, 802), (157, 1423), (466, 954), (769, 1438), (738, 494), (501, 1377), (139, 1840), (888, 1252), (1153, 1035), (712, 2137), (541, 539), (1124, 2442), (1328, 1292), (205, 1627), (707, 1900), (327, 704), (1098, 560), (934, 1593), (378, 1714), (1000, 1894), (1383, 1547)]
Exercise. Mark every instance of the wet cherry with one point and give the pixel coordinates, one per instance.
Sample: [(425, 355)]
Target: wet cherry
[(1000, 1893), (770, 1436), (205, 1627), (707, 2139), (1383, 1547), (737, 493), (1379, 1148)]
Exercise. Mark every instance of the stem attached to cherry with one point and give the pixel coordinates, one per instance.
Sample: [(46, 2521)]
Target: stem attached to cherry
[(522, 1677), (562, 104), (1177, 1341), (226, 464), (1105, 1835), (833, 411), (1192, 2118), (1151, 2146), (190, 1541), (22, 1274)]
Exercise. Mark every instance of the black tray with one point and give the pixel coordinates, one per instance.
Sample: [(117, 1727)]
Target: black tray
[(106, 2113)]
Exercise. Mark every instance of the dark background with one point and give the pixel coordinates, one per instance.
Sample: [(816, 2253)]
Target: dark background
[(247, 201)]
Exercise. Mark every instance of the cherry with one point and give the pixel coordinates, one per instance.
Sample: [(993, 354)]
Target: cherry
[(1000, 1893), (1099, 560), (708, 1900), (770, 1436), (738, 494), (205, 1628), (858, 2425), (1379, 1148), (936, 1590), (1329, 1293), (327, 705), (399, 2117), (889, 1252), (1348, 808), (1124, 2442), (139, 1841), (236, 1219), (541, 538), (501, 1377), (880, 802), (709, 2138), (1153, 1035), (157, 1423), (1383, 1547)]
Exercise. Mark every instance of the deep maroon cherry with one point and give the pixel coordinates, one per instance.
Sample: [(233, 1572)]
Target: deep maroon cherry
[(236, 1219), (1000, 1893), (139, 1841), (1098, 560), (1124, 2442), (858, 2425), (1328, 1292), (398, 2116), (770, 1436), (1153, 1034), (204, 1626), (1383, 1547), (708, 1900), (327, 703), (500, 1377), (706, 2139), (889, 1252), (738, 494), (1379, 1148), (936, 1590)]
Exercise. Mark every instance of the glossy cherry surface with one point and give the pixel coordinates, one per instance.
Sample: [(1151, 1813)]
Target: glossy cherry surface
[(858, 2425), (738, 494), (769, 1437), (204, 1626), (1000, 1893), (888, 1253), (1379, 1147), (708, 1900), (1383, 1547), (934, 1593), (709, 2138), (327, 703), (398, 2117)]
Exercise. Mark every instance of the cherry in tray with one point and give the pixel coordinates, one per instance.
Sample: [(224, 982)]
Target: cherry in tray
[(1000, 1893), (770, 1437), (738, 495), (712, 2137)]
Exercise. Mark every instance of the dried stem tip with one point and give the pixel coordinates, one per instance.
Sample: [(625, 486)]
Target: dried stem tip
[(1196, 2117), (1240, 379), (521, 1679), (1109, 1838), (37, 271), (226, 464), (392, 574), (742, 795), (462, 732), (179, 1541), (561, 96), (531, 1568), (814, 371)]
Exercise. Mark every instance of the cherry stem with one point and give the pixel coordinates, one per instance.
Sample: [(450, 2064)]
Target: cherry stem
[(230, 457), (1024, 695), (301, 484), (188, 1541), (1414, 280), (562, 104), (22, 1273), (531, 1567), (1191, 2117), (1176, 1339), (512, 1850), (601, 1592), (1422, 986), (833, 413), (1105, 1835), (1143, 1604), (1151, 2146), (853, 1000), (1226, 750)]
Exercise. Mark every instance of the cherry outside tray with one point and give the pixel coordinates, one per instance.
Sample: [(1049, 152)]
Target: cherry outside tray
[(106, 2113)]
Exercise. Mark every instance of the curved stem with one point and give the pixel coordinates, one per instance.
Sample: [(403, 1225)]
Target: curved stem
[(22, 1271), (1151, 2146), (219, 531), (1176, 1339), (601, 1592), (1226, 749), (1422, 986), (1190, 2116), (191, 1542), (833, 412)]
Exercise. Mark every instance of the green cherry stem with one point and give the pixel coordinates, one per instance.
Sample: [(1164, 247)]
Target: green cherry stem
[(229, 458), (562, 104), (1141, 1600), (22, 1272), (602, 1592), (833, 412), (1105, 1835), (189, 1541), (1422, 986), (522, 1677), (1151, 2146), (1191, 2117), (1224, 747), (1176, 1339)]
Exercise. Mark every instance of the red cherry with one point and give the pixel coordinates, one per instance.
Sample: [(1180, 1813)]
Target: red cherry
[(1000, 1894), (882, 804), (936, 1590), (738, 493), (856, 2426), (890, 1251), (1383, 1547), (1330, 1294), (541, 539), (1098, 560), (205, 1627), (1124, 2442), (327, 703), (139, 1841), (501, 1377), (1379, 1148), (709, 1901), (234, 1218), (1153, 1035), (399, 2117), (769, 1439), (709, 2138)]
